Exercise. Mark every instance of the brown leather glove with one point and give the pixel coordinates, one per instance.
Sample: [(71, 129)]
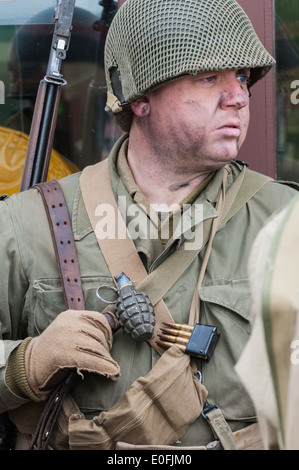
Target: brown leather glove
[(75, 340)]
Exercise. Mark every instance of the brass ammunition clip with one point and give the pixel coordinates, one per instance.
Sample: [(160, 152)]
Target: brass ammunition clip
[(199, 341)]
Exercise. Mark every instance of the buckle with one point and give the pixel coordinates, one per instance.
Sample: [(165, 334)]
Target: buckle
[(207, 408)]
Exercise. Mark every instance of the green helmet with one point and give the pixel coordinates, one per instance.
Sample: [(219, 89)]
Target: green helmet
[(151, 42)]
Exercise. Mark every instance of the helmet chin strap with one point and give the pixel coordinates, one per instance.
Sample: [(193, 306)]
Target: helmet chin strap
[(113, 104)]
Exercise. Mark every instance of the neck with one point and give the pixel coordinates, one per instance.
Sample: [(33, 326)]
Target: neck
[(160, 181)]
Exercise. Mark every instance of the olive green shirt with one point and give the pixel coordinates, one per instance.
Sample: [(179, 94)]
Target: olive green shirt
[(31, 293)]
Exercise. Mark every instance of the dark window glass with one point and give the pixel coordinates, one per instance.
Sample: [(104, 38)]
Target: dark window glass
[(84, 132), (287, 88)]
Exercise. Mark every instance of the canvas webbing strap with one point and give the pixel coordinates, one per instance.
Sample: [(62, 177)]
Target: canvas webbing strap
[(220, 428), (220, 205), (120, 253), (251, 182)]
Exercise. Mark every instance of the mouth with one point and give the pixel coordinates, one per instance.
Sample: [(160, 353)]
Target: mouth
[(230, 129)]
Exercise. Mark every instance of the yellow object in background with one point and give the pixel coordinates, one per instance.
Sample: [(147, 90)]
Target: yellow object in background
[(13, 147)]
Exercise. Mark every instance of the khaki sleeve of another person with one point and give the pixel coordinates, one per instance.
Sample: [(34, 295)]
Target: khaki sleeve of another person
[(268, 365)]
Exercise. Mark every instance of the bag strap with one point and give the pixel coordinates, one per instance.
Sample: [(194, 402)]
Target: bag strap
[(227, 206), (250, 182), (220, 206)]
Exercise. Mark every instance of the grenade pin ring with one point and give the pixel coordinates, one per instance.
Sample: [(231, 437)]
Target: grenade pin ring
[(105, 286)]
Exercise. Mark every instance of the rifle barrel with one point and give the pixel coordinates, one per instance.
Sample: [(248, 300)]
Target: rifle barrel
[(46, 107)]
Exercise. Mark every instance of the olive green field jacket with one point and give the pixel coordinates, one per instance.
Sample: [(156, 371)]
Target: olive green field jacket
[(31, 293)]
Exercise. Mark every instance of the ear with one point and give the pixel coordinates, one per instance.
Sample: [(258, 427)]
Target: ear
[(141, 107)]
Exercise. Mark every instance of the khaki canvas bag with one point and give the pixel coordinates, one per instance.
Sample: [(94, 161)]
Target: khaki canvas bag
[(147, 413)]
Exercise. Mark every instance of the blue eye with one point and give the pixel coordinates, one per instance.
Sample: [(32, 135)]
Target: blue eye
[(243, 78), (243, 75), (209, 79)]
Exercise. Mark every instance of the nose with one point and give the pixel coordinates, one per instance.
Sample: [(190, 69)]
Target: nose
[(235, 93)]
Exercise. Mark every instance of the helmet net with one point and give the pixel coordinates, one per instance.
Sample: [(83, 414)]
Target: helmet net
[(153, 41)]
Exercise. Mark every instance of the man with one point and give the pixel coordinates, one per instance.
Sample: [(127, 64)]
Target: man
[(178, 76)]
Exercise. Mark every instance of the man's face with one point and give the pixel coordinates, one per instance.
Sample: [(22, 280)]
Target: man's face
[(199, 122)]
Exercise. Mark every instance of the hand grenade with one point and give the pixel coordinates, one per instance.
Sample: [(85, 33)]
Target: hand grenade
[(134, 310)]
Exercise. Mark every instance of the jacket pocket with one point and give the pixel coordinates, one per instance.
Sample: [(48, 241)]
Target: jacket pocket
[(226, 305), (48, 300)]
